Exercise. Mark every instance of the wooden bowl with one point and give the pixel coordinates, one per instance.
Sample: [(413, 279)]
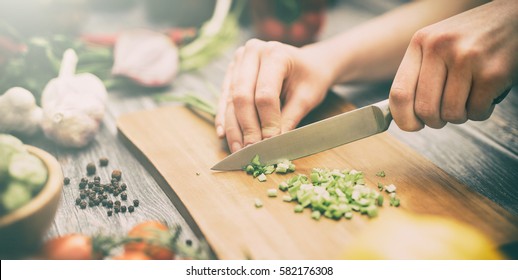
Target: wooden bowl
[(22, 230)]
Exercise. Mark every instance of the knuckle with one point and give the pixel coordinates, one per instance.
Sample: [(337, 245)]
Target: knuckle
[(270, 131), (453, 116), (400, 95), (274, 49), (254, 44), (265, 97), (424, 110)]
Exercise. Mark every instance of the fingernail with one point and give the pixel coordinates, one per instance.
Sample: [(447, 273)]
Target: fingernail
[(219, 131), (236, 146)]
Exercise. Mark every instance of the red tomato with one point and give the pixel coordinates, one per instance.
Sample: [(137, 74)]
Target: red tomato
[(270, 29), (156, 240), (132, 255), (299, 35), (73, 246)]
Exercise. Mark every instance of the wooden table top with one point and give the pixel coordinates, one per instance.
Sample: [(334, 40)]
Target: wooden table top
[(481, 155)]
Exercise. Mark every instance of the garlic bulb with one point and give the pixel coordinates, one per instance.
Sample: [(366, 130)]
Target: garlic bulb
[(73, 105)]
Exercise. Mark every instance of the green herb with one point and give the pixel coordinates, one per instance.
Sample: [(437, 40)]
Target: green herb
[(381, 174)]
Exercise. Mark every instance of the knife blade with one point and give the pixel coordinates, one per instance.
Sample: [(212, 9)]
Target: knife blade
[(313, 138)]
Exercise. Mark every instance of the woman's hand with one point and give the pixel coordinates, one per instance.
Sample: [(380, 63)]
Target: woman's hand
[(453, 70), (268, 88)]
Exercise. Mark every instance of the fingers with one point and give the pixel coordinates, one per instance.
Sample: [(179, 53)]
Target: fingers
[(219, 120), (295, 110), (402, 92), (242, 90), (456, 92), (427, 104), (269, 85)]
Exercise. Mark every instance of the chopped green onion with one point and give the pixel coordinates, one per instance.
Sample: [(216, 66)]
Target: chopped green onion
[(316, 215), (261, 177), (381, 174), (286, 198), (258, 203), (298, 208), (272, 192)]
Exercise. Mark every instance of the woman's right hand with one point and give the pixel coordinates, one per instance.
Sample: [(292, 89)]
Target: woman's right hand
[(268, 88)]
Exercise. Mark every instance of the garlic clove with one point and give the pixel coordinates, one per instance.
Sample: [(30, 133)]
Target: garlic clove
[(149, 58)]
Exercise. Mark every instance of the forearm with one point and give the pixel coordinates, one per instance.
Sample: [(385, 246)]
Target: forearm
[(373, 50)]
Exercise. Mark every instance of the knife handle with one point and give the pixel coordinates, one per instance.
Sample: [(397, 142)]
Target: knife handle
[(384, 116)]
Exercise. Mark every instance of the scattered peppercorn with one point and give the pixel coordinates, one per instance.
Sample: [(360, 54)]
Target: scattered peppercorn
[(123, 186), (131, 209), (82, 185), (103, 161), (116, 209), (78, 201), (136, 202), (110, 203), (109, 212), (117, 202), (123, 208), (117, 174), (124, 196), (84, 179), (82, 195), (91, 203), (104, 202), (66, 180), (90, 168), (97, 179), (188, 242), (82, 204), (90, 185), (105, 196)]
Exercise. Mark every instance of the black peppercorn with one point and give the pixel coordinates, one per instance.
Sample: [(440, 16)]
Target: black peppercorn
[(66, 180), (116, 209), (136, 202), (124, 196), (117, 202), (78, 201), (124, 186), (117, 174), (82, 204), (110, 204), (188, 242), (104, 202), (131, 208), (103, 161), (82, 185), (84, 180), (123, 208), (90, 168), (82, 194), (90, 185), (97, 178), (109, 212), (105, 196), (91, 203)]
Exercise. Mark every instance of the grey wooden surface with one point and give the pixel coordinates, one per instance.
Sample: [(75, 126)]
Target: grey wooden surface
[(482, 155)]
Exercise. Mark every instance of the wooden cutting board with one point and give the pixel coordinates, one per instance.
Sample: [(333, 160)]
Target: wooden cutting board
[(180, 147)]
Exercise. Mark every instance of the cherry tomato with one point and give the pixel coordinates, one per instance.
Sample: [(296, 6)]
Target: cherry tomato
[(132, 255), (73, 246), (156, 239)]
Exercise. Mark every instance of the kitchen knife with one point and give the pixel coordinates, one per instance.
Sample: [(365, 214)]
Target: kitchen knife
[(313, 138)]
